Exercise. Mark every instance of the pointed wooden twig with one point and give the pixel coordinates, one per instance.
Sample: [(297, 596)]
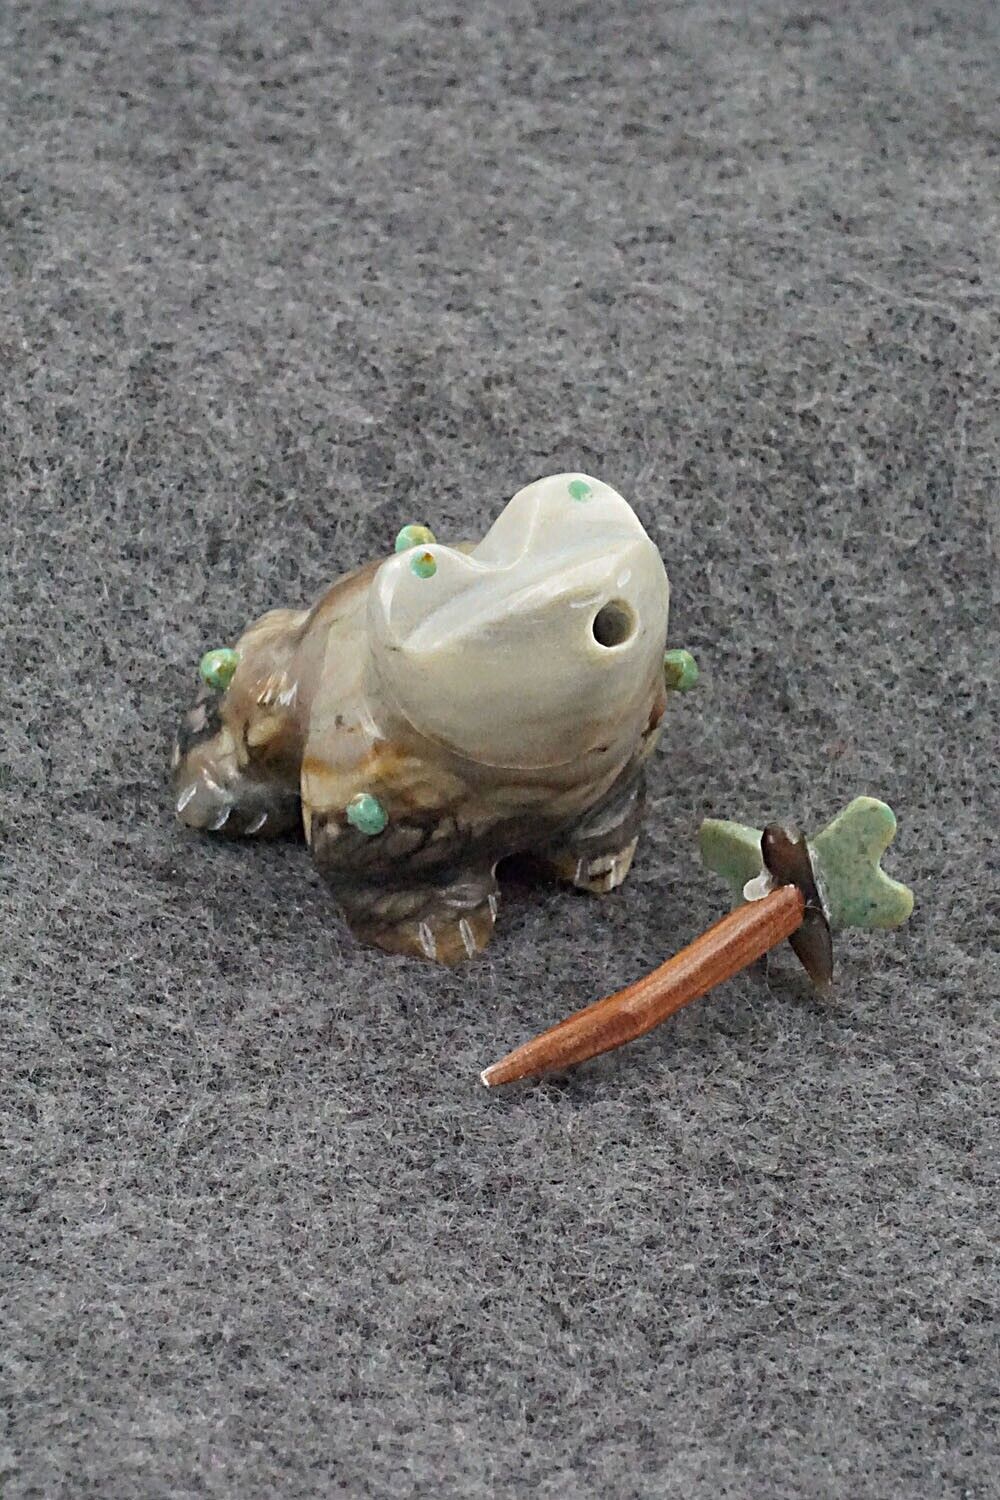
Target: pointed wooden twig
[(740, 938)]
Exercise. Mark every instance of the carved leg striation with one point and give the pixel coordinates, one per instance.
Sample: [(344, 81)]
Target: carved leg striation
[(596, 854)]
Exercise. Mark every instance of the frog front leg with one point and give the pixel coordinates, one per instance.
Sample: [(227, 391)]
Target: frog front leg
[(595, 854), (398, 891), (219, 786), (391, 832)]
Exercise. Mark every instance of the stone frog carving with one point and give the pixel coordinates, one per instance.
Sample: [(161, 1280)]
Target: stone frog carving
[(443, 708)]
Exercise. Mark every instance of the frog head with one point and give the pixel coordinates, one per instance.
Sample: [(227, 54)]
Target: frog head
[(541, 644)]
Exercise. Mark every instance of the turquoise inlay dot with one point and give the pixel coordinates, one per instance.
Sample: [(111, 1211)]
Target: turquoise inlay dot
[(423, 565), (414, 536), (579, 489), (366, 814), (218, 667), (680, 670)]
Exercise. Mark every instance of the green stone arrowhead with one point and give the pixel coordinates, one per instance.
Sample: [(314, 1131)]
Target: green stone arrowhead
[(846, 855), (857, 891), (732, 850)]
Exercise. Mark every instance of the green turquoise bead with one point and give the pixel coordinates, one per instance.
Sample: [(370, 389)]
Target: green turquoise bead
[(218, 667), (423, 564), (366, 814), (680, 671), (579, 489), (414, 536)]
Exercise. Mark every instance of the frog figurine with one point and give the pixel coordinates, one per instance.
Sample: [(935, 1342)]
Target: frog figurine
[(443, 708)]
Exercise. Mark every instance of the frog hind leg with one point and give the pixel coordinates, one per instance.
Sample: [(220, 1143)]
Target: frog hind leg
[(596, 853), (213, 792)]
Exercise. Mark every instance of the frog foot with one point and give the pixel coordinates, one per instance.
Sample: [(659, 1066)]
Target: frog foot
[(598, 873), (447, 923), (213, 793), (596, 854)]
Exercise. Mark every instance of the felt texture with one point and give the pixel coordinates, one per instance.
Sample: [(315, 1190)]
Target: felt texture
[(278, 278)]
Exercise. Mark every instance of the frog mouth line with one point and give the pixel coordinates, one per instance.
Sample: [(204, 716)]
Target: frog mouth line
[(603, 739)]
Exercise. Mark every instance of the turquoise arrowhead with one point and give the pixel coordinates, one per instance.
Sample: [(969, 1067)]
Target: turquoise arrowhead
[(732, 850), (857, 891)]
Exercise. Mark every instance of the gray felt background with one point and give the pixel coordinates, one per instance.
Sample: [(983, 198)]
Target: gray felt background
[(278, 277)]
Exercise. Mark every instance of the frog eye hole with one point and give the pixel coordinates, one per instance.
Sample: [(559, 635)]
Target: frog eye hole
[(614, 624)]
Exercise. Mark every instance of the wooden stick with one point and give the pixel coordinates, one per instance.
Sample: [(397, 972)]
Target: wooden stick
[(728, 946)]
